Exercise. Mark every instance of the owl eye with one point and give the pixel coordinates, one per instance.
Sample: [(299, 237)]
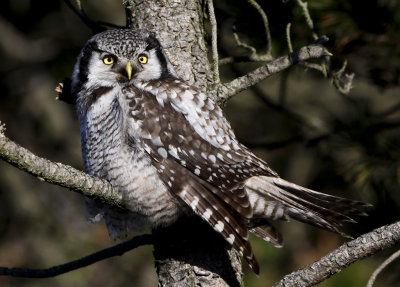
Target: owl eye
[(108, 60), (142, 59)]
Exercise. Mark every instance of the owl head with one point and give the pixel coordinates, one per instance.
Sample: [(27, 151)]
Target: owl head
[(119, 57)]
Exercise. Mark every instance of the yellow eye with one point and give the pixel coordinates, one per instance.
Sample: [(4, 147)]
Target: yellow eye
[(142, 59), (108, 60)]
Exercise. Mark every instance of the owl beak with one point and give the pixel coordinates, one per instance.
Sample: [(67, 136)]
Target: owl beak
[(128, 70)]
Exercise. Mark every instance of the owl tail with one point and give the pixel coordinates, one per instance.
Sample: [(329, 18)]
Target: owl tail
[(275, 198)]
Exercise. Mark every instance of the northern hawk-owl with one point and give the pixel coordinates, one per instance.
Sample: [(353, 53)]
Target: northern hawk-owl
[(170, 151)]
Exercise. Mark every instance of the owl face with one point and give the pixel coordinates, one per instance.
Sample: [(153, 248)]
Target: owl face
[(120, 57)]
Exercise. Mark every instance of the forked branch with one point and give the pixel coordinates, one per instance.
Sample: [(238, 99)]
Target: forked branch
[(313, 51)]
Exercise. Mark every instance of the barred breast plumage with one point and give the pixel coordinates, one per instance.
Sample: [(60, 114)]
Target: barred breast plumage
[(110, 153)]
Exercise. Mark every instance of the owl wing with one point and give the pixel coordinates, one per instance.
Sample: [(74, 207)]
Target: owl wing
[(205, 168)]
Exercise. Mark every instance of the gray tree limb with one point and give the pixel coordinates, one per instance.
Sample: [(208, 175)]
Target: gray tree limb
[(57, 173), (350, 252), (313, 51)]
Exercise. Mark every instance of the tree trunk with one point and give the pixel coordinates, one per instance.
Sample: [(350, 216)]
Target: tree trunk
[(189, 253), (178, 24)]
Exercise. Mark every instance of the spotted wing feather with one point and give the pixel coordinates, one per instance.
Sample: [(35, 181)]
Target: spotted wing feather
[(165, 130), (198, 177)]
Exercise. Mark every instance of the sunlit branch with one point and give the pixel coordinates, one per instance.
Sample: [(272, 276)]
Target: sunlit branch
[(57, 173), (350, 252)]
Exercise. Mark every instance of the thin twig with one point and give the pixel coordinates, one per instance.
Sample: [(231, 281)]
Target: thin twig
[(313, 51), (95, 26), (378, 270), (249, 58), (343, 82), (350, 252), (243, 44), (266, 24), (116, 250), (322, 67), (214, 45), (288, 37), (309, 21), (254, 56)]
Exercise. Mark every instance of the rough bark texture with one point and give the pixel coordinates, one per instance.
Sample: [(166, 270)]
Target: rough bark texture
[(188, 253), (340, 258), (57, 173), (191, 253), (178, 24)]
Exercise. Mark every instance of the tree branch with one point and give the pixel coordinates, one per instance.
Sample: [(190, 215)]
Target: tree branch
[(57, 173), (266, 24), (350, 252), (116, 250), (95, 26), (214, 45), (254, 56), (309, 21), (313, 51), (385, 263)]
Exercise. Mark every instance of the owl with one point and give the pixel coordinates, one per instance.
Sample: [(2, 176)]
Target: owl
[(170, 151)]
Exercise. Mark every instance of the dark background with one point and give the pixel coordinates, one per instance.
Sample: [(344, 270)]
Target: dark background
[(297, 121)]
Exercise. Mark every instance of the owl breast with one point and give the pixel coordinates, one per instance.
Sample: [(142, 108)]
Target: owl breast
[(109, 153)]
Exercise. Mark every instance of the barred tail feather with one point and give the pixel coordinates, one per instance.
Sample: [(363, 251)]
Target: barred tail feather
[(275, 198), (216, 214), (220, 216), (269, 233)]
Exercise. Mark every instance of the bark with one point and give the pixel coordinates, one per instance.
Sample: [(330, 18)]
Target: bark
[(191, 253), (178, 25), (350, 252), (188, 253), (57, 173)]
